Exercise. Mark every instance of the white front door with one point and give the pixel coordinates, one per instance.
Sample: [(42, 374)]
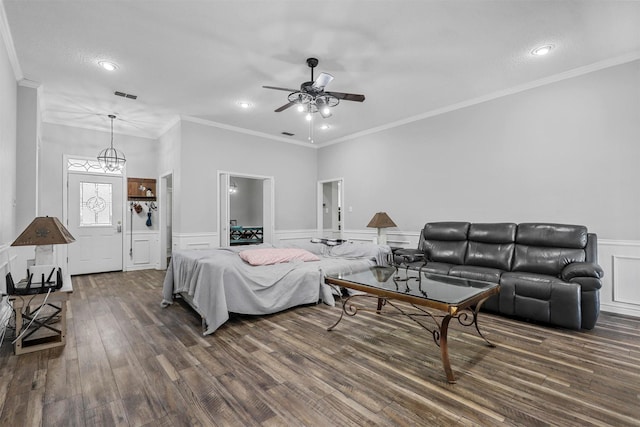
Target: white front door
[(94, 218)]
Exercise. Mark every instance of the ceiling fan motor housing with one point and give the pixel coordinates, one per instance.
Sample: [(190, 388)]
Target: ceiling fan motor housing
[(308, 88)]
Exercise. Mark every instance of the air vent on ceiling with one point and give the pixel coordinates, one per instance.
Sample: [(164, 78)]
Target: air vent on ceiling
[(125, 95), (287, 133)]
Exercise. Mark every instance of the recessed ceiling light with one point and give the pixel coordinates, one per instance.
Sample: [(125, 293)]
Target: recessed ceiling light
[(542, 50), (109, 66), (325, 127), (244, 104)]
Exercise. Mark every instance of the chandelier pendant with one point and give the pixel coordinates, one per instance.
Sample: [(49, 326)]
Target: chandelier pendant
[(110, 158)]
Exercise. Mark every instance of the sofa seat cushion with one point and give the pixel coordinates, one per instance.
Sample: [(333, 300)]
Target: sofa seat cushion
[(541, 297), (474, 272)]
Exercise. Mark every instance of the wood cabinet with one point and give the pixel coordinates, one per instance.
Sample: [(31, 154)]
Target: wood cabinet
[(141, 189)]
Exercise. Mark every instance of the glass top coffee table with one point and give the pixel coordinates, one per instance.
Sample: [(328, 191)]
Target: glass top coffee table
[(453, 297)]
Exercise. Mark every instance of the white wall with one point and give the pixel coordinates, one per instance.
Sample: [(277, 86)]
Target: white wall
[(170, 145), (8, 100), (566, 152), (208, 149), (28, 140)]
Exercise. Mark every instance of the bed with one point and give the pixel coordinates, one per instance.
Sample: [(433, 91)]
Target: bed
[(218, 281)]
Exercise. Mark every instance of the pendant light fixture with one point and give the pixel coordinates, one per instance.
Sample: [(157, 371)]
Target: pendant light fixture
[(110, 158)]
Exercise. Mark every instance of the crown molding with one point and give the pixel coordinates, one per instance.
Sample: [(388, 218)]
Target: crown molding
[(576, 72), (5, 32), (75, 124), (244, 130)]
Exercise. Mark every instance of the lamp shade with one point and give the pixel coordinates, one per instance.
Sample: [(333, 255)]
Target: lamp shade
[(381, 220), (44, 230)]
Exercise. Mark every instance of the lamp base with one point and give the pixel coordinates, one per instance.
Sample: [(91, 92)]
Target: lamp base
[(44, 255), (382, 236)]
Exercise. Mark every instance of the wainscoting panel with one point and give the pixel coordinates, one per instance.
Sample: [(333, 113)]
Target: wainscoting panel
[(141, 251), (7, 264), (146, 251), (395, 239), (626, 269), (285, 237), (7, 258), (620, 291), (195, 240)]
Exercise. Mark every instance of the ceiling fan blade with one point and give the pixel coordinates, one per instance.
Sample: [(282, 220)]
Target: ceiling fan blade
[(322, 80), (284, 107), (347, 96), (280, 88)]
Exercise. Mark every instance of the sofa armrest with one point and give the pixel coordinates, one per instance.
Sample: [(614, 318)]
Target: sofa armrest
[(407, 256), (581, 269), (588, 276)]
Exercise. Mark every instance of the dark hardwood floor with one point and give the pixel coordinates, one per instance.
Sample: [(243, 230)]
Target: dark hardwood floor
[(129, 362)]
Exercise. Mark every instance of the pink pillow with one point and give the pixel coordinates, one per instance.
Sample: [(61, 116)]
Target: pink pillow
[(267, 256)]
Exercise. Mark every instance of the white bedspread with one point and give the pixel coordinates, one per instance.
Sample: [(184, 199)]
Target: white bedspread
[(219, 281)]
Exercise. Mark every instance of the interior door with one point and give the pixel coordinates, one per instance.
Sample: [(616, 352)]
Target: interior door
[(330, 217), (94, 218)]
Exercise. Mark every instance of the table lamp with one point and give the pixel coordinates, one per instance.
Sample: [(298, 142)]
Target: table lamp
[(381, 221), (43, 233)]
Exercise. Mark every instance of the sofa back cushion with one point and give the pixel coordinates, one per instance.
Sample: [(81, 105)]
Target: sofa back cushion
[(548, 248), (445, 241), (491, 245)]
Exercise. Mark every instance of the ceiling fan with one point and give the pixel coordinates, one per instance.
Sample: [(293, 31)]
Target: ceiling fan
[(311, 97)]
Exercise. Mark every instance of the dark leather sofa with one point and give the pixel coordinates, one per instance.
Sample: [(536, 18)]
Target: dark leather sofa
[(547, 272)]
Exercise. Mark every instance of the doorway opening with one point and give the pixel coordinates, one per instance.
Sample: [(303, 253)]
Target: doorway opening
[(330, 212), (245, 209)]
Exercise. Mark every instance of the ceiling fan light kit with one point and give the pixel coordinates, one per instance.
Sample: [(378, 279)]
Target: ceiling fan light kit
[(312, 97)]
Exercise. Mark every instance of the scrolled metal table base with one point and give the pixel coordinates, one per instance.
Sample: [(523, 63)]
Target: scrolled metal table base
[(465, 317)]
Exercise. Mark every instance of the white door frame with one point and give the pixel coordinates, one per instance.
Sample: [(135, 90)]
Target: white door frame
[(319, 211), (163, 214), (268, 210), (65, 203)]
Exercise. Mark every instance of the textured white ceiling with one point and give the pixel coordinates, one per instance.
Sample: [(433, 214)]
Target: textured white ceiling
[(199, 58)]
